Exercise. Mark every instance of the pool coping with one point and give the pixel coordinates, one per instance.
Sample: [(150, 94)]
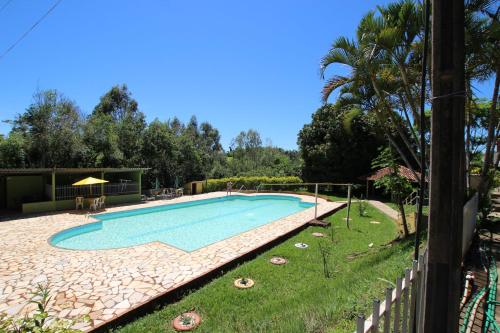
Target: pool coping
[(158, 262)]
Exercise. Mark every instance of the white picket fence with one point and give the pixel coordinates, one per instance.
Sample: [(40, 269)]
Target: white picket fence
[(402, 309)]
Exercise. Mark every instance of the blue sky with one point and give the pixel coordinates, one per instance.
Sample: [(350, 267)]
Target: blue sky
[(235, 64)]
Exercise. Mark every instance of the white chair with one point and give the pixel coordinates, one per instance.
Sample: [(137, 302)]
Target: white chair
[(95, 204), (79, 202), (102, 201), (163, 194)]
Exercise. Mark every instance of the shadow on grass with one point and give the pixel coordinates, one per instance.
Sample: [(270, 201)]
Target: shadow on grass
[(375, 255)]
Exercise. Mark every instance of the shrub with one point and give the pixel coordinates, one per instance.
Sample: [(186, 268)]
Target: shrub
[(250, 183)]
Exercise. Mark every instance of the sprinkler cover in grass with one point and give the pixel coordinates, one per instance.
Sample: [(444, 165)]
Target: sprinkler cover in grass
[(186, 321), (244, 283), (301, 245), (278, 260)]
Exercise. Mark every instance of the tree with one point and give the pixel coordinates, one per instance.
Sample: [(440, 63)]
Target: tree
[(159, 153), (50, 130), (119, 108), (384, 63), (482, 61), (102, 142), (338, 145), (189, 163), (248, 157), (12, 151), (394, 184)]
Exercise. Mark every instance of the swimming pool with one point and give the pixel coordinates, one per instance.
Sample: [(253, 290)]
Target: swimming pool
[(187, 226)]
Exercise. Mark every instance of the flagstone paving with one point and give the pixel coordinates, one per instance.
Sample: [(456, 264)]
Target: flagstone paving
[(104, 284)]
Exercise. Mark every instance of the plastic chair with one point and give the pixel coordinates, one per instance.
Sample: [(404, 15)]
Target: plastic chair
[(95, 204), (102, 201), (78, 202)]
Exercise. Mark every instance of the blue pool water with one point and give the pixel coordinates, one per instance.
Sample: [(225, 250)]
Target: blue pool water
[(187, 226)]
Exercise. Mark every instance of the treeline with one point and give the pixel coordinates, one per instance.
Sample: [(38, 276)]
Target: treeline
[(53, 132)]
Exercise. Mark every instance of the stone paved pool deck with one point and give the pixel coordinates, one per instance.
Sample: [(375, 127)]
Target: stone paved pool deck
[(105, 284)]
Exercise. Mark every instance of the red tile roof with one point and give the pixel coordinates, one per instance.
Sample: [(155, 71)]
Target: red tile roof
[(402, 170)]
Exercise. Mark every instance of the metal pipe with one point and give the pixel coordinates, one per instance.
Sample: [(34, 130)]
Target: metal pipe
[(316, 202), (348, 205)]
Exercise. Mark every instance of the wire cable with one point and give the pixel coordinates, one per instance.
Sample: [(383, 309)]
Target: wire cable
[(30, 29), (5, 5)]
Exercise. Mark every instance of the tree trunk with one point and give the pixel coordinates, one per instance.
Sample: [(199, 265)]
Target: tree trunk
[(403, 156), (403, 217), (387, 132), (390, 115), (490, 141), (411, 101), (407, 118)]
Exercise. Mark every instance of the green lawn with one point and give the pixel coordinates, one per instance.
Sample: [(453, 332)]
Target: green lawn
[(297, 297)]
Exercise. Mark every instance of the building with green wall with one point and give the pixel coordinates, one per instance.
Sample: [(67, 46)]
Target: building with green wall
[(44, 189)]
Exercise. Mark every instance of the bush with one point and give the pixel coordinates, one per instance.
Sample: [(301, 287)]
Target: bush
[(250, 183)]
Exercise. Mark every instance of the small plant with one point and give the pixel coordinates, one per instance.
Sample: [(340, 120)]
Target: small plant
[(325, 254), (362, 207), (40, 321), (186, 320)]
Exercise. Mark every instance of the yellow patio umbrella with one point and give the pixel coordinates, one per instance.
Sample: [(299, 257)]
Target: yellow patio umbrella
[(90, 181)]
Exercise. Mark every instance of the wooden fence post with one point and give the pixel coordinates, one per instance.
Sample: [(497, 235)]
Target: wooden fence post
[(414, 295), (360, 324), (387, 315), (406, 297), (375, 316), (397, 305)]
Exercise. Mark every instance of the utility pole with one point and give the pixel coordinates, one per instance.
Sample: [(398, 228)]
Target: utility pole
[(447, 171)]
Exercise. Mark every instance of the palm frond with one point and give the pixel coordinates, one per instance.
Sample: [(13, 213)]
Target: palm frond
[(335, 82), (343, 51)]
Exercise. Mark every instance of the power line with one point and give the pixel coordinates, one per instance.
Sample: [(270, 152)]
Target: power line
[(5, 5), (30, 29)]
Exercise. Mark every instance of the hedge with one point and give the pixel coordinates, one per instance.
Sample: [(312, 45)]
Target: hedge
[(250, 183)]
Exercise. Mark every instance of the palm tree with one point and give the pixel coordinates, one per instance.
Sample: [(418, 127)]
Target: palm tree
[(483, 62), (382, 50)]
